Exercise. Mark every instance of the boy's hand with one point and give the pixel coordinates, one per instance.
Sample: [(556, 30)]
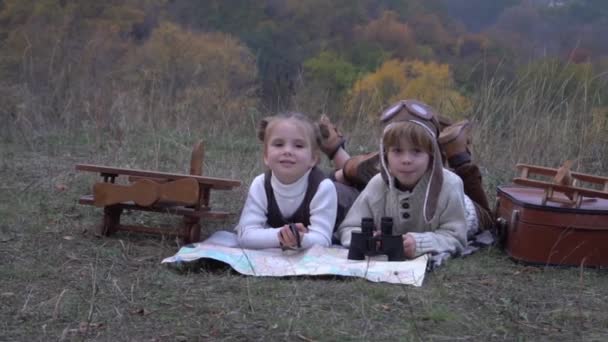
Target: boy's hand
[(288, 239), (409, 246)]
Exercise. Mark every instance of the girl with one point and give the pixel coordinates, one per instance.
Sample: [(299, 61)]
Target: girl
[(292, 191), (425, 201)]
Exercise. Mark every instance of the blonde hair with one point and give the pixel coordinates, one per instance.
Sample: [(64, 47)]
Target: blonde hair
[(311, 130), (409, 132)]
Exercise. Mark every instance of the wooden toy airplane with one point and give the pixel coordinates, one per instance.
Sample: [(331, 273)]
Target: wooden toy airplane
[(187, 195), (146, 192), (562, 181)]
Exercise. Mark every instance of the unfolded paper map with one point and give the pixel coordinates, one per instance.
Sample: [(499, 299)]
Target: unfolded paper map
[(317, 260)]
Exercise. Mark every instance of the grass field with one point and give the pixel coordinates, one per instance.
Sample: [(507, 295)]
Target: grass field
[(59, 282)]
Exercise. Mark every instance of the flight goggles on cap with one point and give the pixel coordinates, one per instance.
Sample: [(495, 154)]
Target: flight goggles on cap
[(410, 110)]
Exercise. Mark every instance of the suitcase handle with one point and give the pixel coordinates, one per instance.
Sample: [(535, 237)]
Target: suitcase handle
[(514, 219), (501, 224)]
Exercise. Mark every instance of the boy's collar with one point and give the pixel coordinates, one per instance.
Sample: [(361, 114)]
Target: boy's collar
[(397, 184)]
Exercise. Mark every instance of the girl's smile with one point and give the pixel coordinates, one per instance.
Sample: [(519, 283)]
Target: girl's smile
[(289, 152)]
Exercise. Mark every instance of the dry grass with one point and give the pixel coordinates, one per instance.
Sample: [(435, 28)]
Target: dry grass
[(60, 282)]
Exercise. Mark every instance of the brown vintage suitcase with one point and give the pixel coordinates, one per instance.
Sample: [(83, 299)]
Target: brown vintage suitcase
[(552, 233)]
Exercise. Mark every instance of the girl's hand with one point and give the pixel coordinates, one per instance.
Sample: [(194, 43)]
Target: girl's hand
[(288, 239), (409, 246)]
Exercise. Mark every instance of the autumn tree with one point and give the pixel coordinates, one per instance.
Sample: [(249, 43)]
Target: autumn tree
[(281, 34), (396, 80), (478, 15), (430, 32), (472, 45), (61, 54), (200, 75), (334, 72), (390, 34)]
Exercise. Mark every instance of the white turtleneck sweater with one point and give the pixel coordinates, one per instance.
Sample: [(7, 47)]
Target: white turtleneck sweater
[(253, 230)]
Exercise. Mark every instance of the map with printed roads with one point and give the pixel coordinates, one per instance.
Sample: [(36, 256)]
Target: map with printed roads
[(317, 260)]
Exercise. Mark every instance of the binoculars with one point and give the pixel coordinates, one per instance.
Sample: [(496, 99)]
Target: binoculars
[(366, 244), (294, 231)]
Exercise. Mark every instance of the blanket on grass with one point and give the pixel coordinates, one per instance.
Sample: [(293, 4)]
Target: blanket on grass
[(317, 260)]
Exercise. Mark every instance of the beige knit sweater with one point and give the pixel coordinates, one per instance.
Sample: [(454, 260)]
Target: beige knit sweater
[(446, 232)]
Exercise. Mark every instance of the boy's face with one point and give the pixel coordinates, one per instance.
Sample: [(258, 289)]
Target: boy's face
[(288, 152), (407, 163)]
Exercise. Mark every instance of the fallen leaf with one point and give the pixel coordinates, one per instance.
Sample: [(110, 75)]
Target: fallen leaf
[(5, 237), (74, 215), (487, 281), (60, 187), (304, 338), (85, 327), (72, 256), (141, 311), (531, 269), (145, 258)]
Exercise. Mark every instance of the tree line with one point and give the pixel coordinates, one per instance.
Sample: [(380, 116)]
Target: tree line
[(65, 59)]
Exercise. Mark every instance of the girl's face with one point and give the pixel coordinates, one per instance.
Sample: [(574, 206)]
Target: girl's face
[(407, 163), (288, 152)]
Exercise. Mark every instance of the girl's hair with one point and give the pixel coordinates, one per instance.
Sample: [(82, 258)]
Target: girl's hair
[(413, 134), (310, 128)]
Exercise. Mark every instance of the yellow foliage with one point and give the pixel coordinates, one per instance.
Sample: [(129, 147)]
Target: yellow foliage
[(382, 84), (396, 80)]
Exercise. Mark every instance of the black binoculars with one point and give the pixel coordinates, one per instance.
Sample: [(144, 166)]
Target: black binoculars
[(366, 244), (294, 231)]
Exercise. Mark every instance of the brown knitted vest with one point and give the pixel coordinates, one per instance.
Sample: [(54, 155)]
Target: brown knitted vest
[(302, 214)]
